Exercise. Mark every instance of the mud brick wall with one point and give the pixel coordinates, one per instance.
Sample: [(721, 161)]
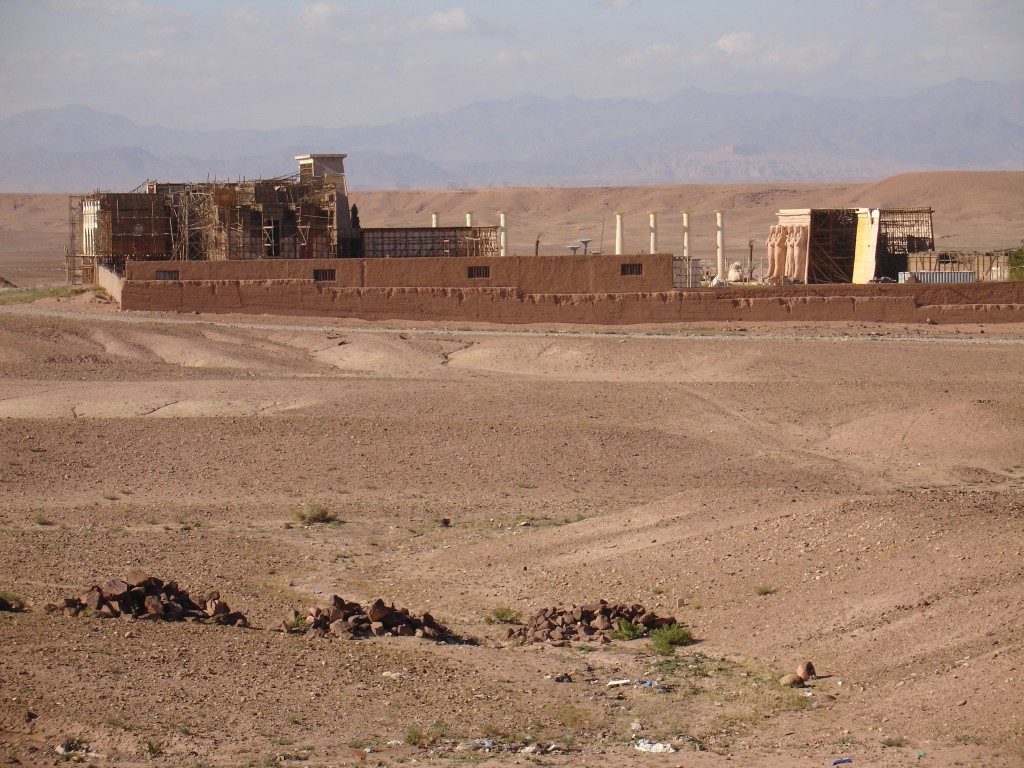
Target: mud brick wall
[(971, 303), (527, 274)]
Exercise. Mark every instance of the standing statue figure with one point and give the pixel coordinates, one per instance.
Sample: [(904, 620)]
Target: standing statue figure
[(779, 273), (791, 252), (800, 254), (773, 232)]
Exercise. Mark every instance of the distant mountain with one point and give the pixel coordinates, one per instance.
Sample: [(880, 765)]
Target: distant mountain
[(692, 137)]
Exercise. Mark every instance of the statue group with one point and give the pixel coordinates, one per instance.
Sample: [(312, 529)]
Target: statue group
[(787, 255)]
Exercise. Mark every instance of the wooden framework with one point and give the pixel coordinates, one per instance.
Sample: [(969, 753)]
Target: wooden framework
[(277, 218), (831, 245), (412, 242)]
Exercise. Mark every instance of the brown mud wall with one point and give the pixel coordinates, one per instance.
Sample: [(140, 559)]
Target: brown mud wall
[(943, 303), (528, 274)]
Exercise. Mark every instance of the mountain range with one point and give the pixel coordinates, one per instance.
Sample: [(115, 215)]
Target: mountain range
[(693, 137)]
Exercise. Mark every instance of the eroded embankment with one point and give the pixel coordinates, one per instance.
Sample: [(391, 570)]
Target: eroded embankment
[(954, 303)]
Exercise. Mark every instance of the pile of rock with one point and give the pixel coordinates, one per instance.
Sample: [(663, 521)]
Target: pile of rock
[(10, 603), (345, 619), (594, 622), (142, 596)]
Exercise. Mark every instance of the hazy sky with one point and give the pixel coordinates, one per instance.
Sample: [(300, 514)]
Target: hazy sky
[(260, 64)]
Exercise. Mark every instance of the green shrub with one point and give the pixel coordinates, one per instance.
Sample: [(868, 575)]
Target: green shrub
[(503, 615), (665, 640), (627, 630), (1017, 264)]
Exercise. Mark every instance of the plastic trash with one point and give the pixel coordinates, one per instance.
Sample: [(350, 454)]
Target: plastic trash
[(646, 745), (842, 761), (618, 683)]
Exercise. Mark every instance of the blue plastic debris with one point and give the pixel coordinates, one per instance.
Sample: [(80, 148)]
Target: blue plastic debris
[(842, 761)]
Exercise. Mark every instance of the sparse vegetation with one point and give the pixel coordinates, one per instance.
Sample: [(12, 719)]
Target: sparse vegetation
[(571, 716), (665, 640), (894, 741), (152, 748), (40, 520), (28, 295), (315, 513), (627, 630), (1017, 264), (503, 615), (763, 590)]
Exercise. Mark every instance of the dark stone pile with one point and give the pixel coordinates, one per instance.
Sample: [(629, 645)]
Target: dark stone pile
[(11, 604), (594, 622), (344, 619), (142, 596)]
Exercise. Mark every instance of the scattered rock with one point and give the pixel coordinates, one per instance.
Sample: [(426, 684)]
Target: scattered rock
[(792, 681), (806, 671), (346, 620), (142, 596)]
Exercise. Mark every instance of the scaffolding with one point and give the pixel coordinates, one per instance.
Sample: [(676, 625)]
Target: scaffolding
[(831, 245), (284, 217), (987, 266), (415, 242), (901, 232)]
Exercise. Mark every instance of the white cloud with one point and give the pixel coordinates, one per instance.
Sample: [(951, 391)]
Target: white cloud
[(735, 42), (314, 14), (457, 21)]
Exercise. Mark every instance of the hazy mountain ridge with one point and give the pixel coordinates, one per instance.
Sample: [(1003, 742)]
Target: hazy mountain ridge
[(693, 136)]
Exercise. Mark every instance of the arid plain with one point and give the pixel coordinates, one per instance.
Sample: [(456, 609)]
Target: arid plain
[(846, 493)]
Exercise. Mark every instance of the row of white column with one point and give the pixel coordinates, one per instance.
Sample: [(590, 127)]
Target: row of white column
[(653, 228)]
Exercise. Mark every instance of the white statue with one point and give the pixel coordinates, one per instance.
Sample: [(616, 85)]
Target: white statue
[(773, 233), (800, 254)]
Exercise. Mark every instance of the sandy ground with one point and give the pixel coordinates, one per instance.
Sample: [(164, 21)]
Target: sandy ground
[(847, 493), (850, 494)]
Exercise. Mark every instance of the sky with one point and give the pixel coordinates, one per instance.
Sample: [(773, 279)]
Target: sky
[(207, 64)]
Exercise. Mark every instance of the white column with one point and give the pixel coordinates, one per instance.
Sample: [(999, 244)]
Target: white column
[(654, 231), (433, 219), (502, 235), (469, 219), (618, 234), (720, 238), (686, 235)]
